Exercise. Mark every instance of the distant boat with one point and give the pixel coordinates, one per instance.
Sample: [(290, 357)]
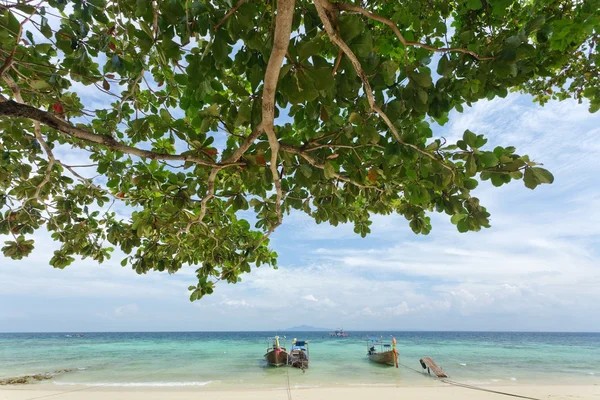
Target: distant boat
[(299, 356), (381, 352), (276, 354), (338, 333)]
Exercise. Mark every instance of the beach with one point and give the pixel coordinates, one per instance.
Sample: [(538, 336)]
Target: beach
[(438, 391), (230, 365)]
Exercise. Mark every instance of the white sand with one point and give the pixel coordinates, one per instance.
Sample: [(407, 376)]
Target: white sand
[(440, 391)]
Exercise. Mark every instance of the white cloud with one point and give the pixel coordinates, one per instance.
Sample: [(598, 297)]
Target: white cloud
[(310, 297), (126, 310), (537, 267)]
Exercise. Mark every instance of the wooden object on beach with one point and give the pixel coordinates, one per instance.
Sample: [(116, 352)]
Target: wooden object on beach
[(430, 365)]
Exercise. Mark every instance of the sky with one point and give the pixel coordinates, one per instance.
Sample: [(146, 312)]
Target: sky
[(537, 268)]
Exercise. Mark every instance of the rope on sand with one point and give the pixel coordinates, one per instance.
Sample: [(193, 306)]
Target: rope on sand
[(287, 371), (467, 386)]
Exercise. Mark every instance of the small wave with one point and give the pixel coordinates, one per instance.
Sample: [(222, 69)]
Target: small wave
[(463, 364), (135, 384), (513, 379), (82, 368), (591, 373)]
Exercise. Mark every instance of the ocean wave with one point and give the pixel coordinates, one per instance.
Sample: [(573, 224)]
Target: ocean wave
[(135, 384), (463, 364)]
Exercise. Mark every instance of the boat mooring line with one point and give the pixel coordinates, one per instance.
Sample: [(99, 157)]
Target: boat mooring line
[(467, 386)]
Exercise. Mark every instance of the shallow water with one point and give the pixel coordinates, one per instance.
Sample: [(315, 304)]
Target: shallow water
[(218, 359)]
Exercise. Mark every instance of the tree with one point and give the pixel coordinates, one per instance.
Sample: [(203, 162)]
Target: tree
[(353, 85)]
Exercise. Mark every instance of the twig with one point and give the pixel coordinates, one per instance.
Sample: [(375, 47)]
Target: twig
[(234, 9), (338, 60), (51, 160), (317, 164), (388, 22), (322, 7), (11, 56)]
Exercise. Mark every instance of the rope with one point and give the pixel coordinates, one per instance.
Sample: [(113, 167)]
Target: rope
[(464, 385), (287, 371), (472, 387)]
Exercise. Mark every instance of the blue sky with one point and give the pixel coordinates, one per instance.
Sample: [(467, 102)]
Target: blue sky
[(537, 268)]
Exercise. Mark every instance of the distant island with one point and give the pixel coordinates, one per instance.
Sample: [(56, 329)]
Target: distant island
[(306, 328)]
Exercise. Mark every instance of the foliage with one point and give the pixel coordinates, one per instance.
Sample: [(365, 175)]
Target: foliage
[(188, 140)]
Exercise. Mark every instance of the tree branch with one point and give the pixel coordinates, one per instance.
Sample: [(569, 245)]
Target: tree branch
[(9, 60), (322, 7), (283, 30), (51, 160), (317, 164), (234, 9), (14, 109), (388, 22)]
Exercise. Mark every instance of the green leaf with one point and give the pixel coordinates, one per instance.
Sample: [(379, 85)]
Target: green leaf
[(422, 79), (488, 159), (474, 4), (456, 218), (39, 85), (329, 170), (471, 166), (530, 179), (363, 45), (542, 175), (470, 138), (350, 27), (388, 71)]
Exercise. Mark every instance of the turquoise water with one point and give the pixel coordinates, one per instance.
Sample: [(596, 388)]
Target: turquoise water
[(216, 360)]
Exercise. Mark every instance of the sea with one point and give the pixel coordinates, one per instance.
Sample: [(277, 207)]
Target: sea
[(216, 360)]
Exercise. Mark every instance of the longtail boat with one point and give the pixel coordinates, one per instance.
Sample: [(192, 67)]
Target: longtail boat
[(299, 356), (276, 354), (338, 333), (381, 352)]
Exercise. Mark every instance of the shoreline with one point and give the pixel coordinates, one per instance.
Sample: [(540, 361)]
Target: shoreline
[(438, 391)]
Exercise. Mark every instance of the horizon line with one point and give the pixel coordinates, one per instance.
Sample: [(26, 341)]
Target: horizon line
[(308, 330)]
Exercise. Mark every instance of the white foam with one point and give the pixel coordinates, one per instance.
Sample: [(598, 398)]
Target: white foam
[(513, 379), (135, 384), (463, 364)]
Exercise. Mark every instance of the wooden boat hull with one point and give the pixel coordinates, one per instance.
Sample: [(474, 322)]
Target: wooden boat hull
[(299, 359), (387, 358), (277, 358)]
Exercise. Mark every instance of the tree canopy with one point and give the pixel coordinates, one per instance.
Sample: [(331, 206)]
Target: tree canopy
[(211, 120)]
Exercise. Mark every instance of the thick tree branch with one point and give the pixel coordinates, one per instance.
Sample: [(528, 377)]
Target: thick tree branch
[(322, 7), (283, 30), (13, 109), (390, 23)]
